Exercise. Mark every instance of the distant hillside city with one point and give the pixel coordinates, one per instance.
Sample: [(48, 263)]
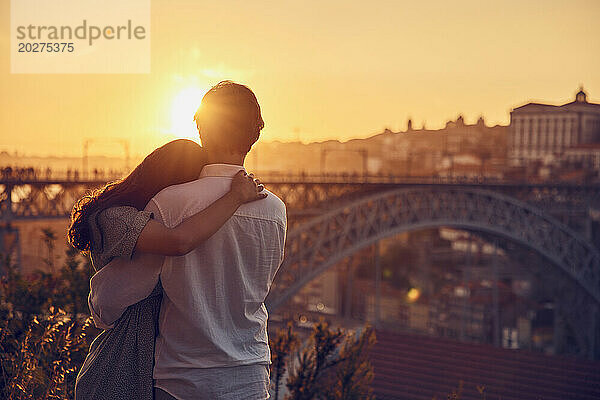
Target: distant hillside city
[(542, 142)]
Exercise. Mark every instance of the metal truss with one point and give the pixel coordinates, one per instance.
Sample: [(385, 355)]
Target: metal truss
[(568, 203), (309, 194), (305, 196), (373, 209), (36, 200), (320, 243), (331, 219)]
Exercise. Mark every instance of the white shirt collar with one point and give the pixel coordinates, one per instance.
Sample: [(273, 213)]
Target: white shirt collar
[(221, 170)]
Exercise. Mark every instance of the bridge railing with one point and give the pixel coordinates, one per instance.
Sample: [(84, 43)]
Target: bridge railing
[(281, 177), (31, 176)]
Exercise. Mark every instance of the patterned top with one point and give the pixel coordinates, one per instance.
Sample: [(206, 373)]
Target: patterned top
[(120, 361), (115, 232)]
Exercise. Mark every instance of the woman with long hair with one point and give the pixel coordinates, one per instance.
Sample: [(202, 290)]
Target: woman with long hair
[(111, 222)]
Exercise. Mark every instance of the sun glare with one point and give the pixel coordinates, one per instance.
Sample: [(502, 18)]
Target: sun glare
[(183, 109)]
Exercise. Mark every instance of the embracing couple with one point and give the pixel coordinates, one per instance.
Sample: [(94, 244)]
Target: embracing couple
[(185, 248)]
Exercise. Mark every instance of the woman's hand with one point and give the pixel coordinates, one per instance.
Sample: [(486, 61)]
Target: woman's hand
[(245, 188)]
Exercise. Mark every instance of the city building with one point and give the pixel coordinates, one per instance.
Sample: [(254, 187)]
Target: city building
[(543, 132), (585, 156)]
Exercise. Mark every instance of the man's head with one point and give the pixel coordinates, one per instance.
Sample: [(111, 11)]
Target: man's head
[(229, 118)]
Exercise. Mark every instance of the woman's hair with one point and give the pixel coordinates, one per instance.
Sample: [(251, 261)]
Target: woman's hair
[(176, 162)]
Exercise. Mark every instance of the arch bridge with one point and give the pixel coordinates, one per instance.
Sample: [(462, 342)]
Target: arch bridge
[(305, 195), (318, 244), (332, 217)]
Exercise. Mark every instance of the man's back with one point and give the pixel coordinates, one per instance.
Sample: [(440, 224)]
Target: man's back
[(213, 313)]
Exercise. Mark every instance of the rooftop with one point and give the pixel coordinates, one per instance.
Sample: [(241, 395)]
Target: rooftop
[(409, 366), (580, 102)]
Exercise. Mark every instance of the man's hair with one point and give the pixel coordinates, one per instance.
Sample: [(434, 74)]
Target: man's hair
[(233, 113)]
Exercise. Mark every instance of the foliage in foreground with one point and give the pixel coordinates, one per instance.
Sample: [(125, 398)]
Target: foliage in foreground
[(44, 332), (333, 364), (42, 363)]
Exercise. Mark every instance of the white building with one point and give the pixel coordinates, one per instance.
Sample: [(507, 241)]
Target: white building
[(543, 132)]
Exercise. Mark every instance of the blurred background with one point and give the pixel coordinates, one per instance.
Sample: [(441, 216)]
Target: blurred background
[(440, 162)]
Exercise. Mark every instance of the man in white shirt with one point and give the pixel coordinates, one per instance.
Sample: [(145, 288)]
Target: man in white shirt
[(212, 341)]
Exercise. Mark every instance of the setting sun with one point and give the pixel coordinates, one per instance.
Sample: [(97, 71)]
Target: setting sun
[(184, 105)]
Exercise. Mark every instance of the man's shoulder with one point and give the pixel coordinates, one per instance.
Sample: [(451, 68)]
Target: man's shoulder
[(278, 206), (274, 201), (178, 192), (172, 200), (271, 208)]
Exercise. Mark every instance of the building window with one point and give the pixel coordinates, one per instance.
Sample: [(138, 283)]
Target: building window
[(543, 134)]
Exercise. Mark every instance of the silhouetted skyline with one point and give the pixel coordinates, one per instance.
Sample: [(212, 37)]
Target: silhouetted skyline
[(338, 70)]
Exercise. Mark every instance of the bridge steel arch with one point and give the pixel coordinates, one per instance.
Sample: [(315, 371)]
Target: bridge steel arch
[(316, 245)]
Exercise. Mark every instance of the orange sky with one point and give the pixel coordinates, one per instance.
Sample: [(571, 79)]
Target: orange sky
[(320, 69)]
